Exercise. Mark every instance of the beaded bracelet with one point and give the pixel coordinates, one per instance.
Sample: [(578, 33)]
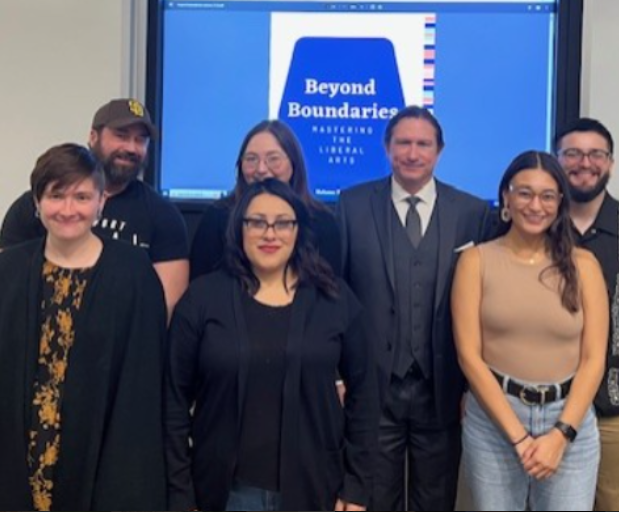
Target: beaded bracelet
[(526, 436)]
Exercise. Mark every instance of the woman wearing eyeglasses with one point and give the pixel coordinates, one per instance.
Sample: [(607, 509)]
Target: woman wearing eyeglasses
[(531, 322), (269, 150), (256, 347)]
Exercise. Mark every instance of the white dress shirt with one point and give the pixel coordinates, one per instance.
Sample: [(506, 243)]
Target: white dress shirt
[(425, 206)]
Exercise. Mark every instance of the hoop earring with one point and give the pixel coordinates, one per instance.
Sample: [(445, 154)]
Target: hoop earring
[(505, 215)]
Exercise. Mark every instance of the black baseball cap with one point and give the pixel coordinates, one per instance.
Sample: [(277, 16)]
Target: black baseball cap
[(123, 112)]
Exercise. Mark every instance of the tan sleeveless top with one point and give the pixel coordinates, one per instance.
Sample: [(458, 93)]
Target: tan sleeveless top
[(526, 331)]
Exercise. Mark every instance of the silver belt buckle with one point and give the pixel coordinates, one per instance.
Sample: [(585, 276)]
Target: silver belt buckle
[(542, 390)]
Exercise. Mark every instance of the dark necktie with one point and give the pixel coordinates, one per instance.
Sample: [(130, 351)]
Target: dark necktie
[(413, 221)]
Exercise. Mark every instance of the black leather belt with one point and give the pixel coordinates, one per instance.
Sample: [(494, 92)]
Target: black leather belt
[(534, 395)]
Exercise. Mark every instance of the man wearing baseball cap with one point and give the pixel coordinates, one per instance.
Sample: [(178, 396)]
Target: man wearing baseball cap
[(120, 136)]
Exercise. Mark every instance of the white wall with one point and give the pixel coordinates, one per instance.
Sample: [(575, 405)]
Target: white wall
[(600, 76), (59, 61)]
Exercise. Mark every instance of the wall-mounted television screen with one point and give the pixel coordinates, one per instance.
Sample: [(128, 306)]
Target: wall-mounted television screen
[(497, 75)]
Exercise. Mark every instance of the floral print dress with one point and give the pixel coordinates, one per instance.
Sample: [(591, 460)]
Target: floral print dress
[(63, 290)]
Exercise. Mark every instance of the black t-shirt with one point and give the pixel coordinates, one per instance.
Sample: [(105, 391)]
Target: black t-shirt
[(602, 239), (137, 215), (259, 452)]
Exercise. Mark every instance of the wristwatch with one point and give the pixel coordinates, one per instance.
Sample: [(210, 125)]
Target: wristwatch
[(567, 430)]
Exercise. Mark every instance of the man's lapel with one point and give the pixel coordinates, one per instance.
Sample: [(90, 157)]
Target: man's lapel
[(381, 207), (447, 216)]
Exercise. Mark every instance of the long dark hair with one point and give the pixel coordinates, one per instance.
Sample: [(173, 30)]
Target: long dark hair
[(559, 237), (289, 143), (305, 262)]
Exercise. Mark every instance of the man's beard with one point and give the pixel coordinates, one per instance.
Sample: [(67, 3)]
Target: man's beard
[(119, 176), (579, 195)]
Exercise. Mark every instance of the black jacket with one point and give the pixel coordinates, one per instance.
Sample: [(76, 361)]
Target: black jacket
[(111, 453), (326, 450), (369, 270)]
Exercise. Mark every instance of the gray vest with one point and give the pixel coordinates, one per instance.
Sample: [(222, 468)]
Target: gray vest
[(415, 284)]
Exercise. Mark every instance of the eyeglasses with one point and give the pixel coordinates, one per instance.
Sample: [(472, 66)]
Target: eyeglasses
[(575, 155), (273, 161), (259, 227), (525, 195)]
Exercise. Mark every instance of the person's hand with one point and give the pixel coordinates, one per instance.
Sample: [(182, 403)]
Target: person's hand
[(344, 506), (522, 449), (542, 457)]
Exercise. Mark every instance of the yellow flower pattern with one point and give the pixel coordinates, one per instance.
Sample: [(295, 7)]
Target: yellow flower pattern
[(63, 291)]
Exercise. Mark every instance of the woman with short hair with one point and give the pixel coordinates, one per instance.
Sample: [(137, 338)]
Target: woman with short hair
[(82, 327)]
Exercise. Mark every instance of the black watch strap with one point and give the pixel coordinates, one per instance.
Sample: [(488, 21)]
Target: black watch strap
[(567, 430)]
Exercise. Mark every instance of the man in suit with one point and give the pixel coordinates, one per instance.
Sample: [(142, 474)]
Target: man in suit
[(401, 237)]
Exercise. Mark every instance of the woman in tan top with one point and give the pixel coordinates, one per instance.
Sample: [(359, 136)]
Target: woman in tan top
[(531, 321)]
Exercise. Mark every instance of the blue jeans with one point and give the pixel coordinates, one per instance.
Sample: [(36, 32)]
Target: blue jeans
[(245, 497), (496, 477)]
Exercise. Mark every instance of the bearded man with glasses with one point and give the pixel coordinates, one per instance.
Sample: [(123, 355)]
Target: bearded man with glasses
[(585, 150)]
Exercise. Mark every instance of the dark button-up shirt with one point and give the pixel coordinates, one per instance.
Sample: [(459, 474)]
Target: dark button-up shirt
[(602, 239)]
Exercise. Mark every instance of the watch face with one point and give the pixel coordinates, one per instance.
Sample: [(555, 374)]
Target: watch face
[(567, 430)]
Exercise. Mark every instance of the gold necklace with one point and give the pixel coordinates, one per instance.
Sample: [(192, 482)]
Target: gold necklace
[(530, 260)]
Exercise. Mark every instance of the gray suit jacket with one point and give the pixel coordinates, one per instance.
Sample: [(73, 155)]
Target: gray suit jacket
[(364, 213)]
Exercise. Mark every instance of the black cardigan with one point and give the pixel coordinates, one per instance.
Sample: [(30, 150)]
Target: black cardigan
[(209, 241), (111, 453), (326, 451)]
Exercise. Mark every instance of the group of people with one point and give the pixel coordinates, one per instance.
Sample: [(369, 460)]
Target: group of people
[(315, 361)]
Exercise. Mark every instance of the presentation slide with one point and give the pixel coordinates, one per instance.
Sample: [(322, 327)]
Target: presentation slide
[(337, 72)]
